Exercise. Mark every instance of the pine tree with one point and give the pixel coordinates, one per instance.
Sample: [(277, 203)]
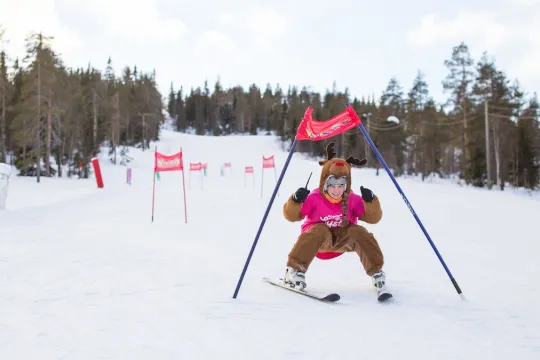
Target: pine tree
[(171, 105), (418, 97), (393, 144), (459, 82), (528, 153), (492, 86), (4, 96)]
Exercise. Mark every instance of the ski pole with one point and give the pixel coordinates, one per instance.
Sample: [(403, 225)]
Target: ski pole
[(308, 179)]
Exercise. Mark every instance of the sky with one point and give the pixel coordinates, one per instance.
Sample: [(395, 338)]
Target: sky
[(357, 44)]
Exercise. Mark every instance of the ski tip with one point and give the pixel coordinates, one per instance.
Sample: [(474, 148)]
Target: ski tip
[(385, 297), (332, 298)]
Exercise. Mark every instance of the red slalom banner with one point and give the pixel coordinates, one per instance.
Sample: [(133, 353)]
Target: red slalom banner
[(168, 162), (224, 168), (313, 130), (163, 163), (195, 167), (267, 163), (249, 170)]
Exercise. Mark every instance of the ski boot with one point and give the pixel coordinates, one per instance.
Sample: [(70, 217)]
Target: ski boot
[(295, 279), (379, 282)]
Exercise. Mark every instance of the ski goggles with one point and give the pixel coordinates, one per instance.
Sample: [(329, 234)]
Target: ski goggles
[(332, 180)]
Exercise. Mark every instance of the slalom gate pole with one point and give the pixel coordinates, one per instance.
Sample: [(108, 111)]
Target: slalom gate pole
[(154, 183), (379, 156), (184, 186), (293, 147)]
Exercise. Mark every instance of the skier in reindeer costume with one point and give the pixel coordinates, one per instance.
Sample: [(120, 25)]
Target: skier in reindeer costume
[(326, 231)]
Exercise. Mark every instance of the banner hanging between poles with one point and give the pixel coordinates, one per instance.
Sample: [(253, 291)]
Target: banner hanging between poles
[(168, 162), (314, 130), (164, 163)]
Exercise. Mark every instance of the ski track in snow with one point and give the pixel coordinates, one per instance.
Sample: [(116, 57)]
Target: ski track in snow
[(84, 274)]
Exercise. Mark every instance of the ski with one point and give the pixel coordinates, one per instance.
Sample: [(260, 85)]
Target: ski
[(333, 297), (384, 297)]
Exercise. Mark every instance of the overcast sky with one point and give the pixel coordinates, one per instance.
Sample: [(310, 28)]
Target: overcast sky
[(360, 44)]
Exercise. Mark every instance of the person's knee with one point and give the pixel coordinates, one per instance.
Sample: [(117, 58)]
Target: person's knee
[(358, 232)]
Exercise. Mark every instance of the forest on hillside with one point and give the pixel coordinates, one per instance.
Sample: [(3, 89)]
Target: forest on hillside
[(55, 117), (445, 140)]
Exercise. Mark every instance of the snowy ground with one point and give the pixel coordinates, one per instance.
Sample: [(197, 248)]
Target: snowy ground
[(84, 274)]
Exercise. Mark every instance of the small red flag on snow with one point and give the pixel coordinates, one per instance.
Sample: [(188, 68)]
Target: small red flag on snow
[(268, 162), (195, 166), (313, 130)]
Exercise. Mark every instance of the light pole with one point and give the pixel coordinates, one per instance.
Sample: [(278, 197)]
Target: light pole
[(488, 153), (366, 144)]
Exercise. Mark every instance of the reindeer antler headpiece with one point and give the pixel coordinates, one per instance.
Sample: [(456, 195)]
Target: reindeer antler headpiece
[(337, 166), (331, 154)]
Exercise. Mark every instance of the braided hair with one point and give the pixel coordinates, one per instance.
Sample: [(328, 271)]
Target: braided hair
[(345, 221)]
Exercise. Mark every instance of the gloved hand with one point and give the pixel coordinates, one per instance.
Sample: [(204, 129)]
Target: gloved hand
[(367, 194), (300, 195)]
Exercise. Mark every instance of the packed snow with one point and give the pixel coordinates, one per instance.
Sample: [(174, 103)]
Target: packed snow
[(85, 274)]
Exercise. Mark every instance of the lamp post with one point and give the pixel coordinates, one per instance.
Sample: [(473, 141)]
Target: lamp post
[(366, 144)]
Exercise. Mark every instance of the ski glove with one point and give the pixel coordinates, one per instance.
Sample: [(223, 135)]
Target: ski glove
[(300, 195), (367, 194)]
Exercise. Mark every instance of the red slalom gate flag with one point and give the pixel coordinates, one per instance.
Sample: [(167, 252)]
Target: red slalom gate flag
[(313, 130), (195, 166), (168, 162), (268, 162), (164, 163), (249, 170)]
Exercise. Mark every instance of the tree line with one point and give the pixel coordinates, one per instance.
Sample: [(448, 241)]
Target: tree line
[(54, 118), (486, 133)]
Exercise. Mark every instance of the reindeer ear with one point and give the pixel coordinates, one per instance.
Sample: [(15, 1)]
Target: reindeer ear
[(331, 150), (322, 162), (354, 161)]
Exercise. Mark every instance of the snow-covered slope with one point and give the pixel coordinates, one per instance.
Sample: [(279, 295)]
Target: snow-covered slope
[(84, 274)]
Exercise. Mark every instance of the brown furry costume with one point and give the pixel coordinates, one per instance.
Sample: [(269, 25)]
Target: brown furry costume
[(346, 238)]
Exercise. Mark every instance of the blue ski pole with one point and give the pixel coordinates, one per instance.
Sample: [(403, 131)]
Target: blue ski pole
[(264, 218), (379, 156)]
